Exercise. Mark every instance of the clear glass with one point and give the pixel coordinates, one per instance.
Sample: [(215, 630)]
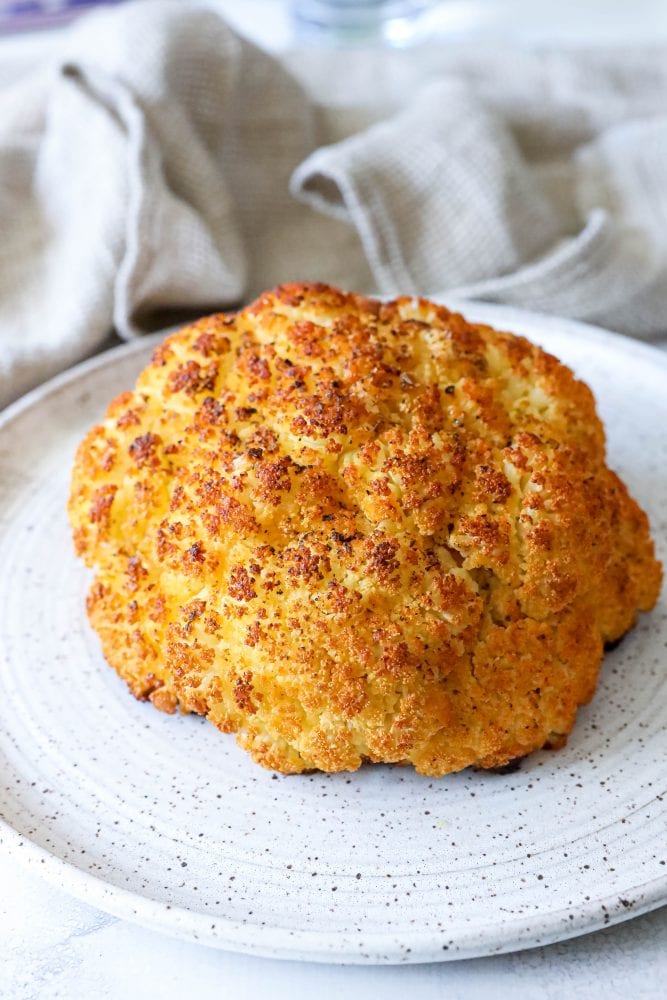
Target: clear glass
[(391, 22)]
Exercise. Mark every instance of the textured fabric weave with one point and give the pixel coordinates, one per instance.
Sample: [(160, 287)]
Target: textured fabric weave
[(158, 166)]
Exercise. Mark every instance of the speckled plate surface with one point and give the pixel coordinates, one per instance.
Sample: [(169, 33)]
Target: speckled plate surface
[(165, 821)]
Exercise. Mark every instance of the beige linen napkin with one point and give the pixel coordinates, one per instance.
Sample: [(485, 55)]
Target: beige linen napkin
[(535, 179), (158, 165), (144, 170)]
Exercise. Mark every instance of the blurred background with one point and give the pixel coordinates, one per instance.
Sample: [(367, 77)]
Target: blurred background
[(164, 158), (276, 23)]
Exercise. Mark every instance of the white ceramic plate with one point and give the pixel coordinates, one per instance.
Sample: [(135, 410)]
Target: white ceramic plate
[(164, 821)]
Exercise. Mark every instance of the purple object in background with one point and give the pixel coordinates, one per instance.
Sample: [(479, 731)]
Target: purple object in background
[(24, 15)]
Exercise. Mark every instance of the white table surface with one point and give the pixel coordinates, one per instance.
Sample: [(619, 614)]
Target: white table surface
[(52, 946)]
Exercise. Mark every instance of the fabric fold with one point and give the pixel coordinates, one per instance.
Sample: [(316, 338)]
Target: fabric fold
[(119, 186), (158, 166), (442, 197), (439, 194)]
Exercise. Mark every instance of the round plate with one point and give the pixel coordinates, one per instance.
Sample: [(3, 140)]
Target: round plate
[(163, 820)]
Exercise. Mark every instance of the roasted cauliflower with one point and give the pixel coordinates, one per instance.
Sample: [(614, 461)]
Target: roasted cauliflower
[(350, 530)]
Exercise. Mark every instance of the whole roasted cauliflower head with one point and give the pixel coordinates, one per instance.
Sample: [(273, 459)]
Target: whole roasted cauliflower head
[(354, 530)]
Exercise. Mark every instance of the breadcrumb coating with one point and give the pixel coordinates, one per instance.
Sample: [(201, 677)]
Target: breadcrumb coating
[(353, 530)]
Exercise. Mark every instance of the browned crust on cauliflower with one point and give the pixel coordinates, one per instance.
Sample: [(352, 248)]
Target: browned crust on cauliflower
[(351, 530)]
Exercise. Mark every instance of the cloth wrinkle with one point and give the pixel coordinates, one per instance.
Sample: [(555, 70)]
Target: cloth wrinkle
[(159, 164)]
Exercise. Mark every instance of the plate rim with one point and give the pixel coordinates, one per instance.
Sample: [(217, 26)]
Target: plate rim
[(380, 947), (517, 934)]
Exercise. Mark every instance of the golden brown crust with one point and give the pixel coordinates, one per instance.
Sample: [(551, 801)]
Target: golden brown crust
[(351, 530)]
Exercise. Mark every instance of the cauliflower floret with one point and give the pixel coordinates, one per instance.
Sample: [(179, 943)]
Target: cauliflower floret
[(350, 530)]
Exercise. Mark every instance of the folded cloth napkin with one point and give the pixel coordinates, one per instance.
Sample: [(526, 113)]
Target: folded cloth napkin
[(538, 180), (144, 173), (158, 166)]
